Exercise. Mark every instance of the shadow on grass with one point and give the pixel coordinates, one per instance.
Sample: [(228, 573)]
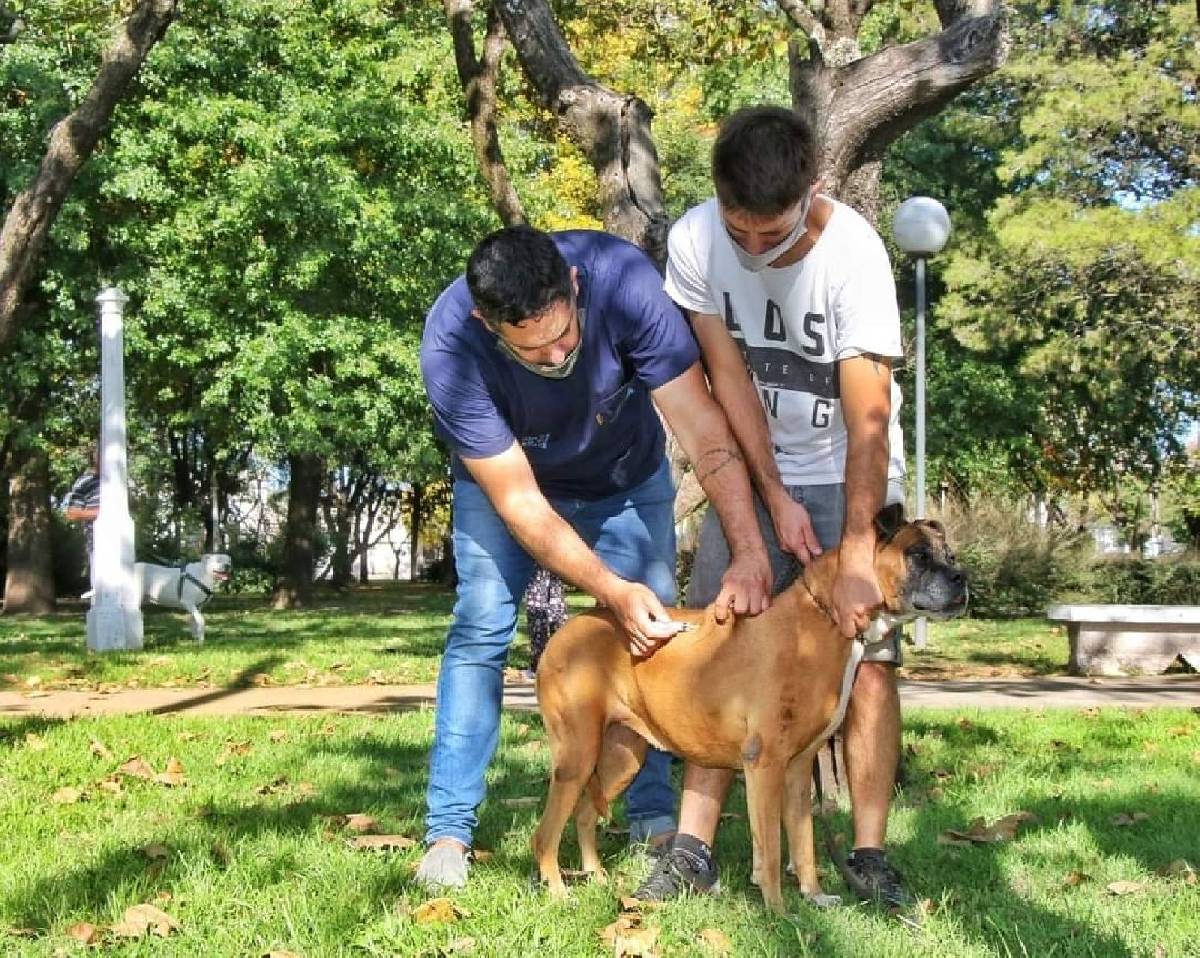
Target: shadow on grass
[(244, 680), (14, 729)]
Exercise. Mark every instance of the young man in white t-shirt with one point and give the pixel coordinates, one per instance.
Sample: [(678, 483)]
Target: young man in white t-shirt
[(795, 288)]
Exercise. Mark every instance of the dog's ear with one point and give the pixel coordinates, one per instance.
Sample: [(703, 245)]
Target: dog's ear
[(889, 520)]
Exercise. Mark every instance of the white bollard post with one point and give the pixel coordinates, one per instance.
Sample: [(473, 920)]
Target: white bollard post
[(114, 622)]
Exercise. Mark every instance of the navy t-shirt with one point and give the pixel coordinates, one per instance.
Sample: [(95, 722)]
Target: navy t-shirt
[(594, 433)]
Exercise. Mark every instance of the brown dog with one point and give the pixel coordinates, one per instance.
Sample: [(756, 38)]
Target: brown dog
[(760, 694)]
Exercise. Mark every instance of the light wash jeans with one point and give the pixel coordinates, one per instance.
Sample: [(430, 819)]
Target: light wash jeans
[(634, 534)]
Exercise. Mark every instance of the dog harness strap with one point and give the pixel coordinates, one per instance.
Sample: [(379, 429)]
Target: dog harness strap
[(856, 654), (185, 575)]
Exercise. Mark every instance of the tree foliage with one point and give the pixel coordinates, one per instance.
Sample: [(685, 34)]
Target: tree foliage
[(1069, 323)]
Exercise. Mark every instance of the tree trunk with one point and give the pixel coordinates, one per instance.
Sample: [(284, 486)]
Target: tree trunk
[(861, 105), (611, 128), (414, 531), (295, 589), (71, 143), (478, 79), (29, 583)]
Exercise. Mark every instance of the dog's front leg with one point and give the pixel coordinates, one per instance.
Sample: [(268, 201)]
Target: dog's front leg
[(798, 821), (764, 790), (197, 623)]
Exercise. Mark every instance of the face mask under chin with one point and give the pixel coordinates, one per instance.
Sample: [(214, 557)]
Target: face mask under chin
[(757, 262), (554, 371)]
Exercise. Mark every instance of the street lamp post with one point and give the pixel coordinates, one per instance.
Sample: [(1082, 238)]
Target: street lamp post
[(921, 228), (114, 622)]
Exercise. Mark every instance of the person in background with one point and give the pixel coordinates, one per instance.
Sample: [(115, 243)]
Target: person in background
[(545, 612)]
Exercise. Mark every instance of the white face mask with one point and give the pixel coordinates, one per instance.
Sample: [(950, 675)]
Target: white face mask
[(757, 262)]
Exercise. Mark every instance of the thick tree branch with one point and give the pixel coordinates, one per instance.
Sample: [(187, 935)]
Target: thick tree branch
[(611, 128), (71, 143), (478, 80), (864, 106)]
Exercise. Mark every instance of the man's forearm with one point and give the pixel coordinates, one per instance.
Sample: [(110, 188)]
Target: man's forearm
[(866, 482), (721, 471), (748, 422), (554, 545)]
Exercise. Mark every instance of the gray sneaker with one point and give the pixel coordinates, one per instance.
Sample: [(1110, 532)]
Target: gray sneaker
[(444, 865)]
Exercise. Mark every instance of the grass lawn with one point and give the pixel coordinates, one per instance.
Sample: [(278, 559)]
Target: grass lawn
[(391, 634), (244, 843)]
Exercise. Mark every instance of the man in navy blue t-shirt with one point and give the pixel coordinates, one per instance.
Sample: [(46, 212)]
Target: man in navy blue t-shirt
[(543, 365)]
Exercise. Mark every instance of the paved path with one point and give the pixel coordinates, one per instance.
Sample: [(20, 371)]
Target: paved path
[(1178, 690)]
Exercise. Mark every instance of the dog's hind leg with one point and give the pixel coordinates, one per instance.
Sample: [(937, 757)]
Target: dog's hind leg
[(622, 753), (798, 822), (574, 750)]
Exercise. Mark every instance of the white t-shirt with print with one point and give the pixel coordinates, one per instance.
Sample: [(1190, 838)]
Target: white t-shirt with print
[(793, 325)]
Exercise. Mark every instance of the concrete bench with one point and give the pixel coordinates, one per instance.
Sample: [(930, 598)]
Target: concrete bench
[(1129, 639)]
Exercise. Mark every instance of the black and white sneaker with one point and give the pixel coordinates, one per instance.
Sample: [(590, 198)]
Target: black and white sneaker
[(873, 879), (686, 867)]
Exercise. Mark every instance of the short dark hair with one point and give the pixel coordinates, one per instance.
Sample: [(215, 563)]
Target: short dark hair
[(515, 273), (764, 160)]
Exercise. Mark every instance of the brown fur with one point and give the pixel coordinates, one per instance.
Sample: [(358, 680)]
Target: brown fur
[(752, 693)]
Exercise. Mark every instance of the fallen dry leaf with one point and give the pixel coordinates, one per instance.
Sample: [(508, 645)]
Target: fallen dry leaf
[(111, 784), (173, 776), (277, 784), (636, 943), (1125, 819), (278, 735), (716, 941), (1002, 830), (156, 852), (136, 768), (460, 946), (437, 911), (363, 824), (35, 743), (382, 842), (144, 919), (1124, 887), (66, 796), (84, 933), (100, 750), (1180, 868), (232, 750), (522, 729), (482, 854), (530, 801), (1075, 878), (22, 932)]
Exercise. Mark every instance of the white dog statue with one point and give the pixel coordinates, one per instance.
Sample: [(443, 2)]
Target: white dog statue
[(185, 588)]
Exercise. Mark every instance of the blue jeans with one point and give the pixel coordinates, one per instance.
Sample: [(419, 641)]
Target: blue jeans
[(634, 534)]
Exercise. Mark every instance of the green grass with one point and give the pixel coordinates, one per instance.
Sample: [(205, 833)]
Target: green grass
[(980, 648), (249, 870), (391, 634)]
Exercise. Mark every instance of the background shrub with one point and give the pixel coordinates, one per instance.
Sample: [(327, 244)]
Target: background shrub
[(1017, 567)]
